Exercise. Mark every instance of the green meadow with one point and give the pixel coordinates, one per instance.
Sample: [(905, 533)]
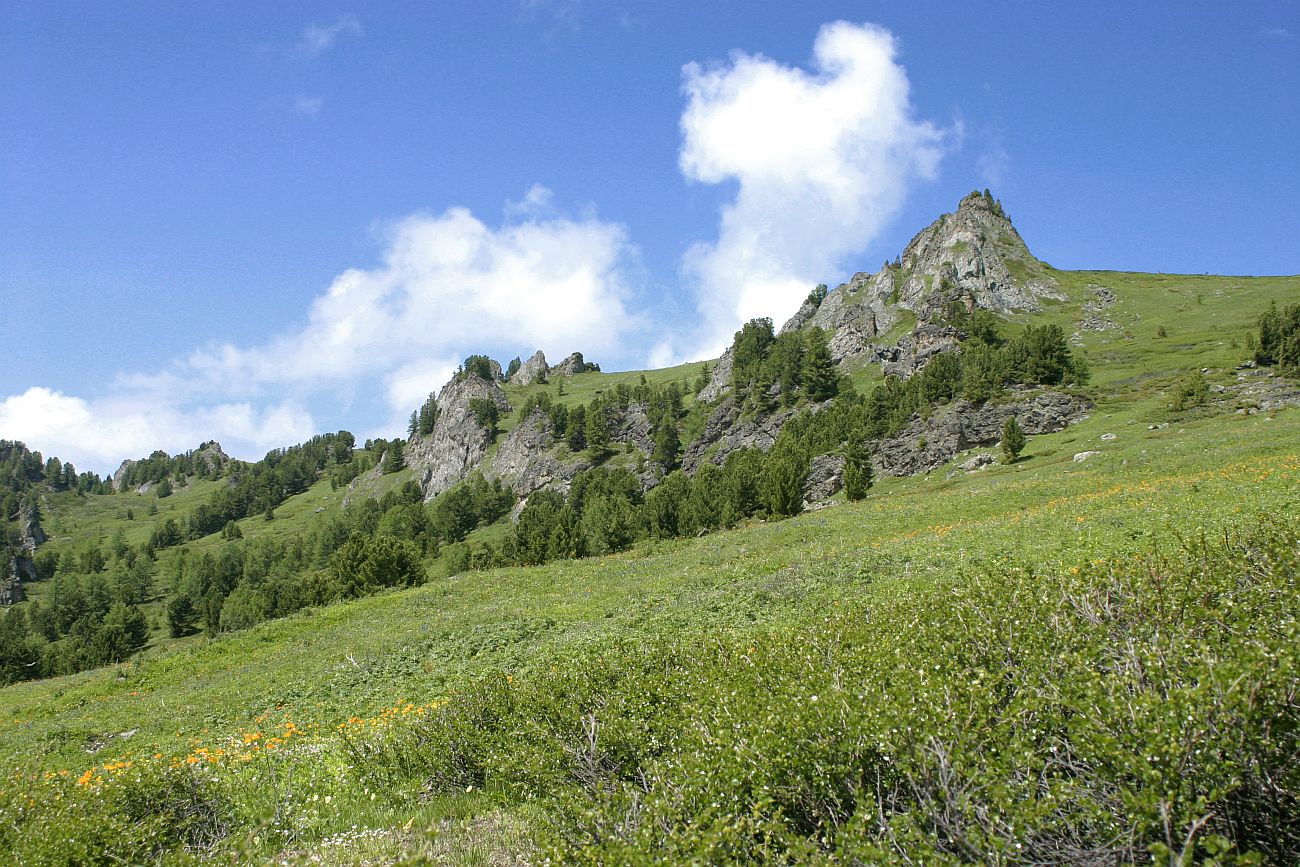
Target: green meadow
[(1047, 661)]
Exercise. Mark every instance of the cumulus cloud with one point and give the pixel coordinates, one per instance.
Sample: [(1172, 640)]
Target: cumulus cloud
[(822, 159), (447, 285), (319, 38), (98, 434)]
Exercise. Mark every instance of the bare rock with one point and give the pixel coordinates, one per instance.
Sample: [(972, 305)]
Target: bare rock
[(973, 256), (526, 459), (573, 365), (18, 570), (719, 381), (458, 443), (532, 370), (825, 479), (119, 477), (1108, 437), (928, 443), (977, 462), (1083, 456), (727, 430)]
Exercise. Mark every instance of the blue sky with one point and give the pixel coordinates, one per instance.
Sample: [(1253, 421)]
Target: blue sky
[(256, 222)]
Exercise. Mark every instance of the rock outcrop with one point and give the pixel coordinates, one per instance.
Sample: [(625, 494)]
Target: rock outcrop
[(525, 459), (719, 381), (532, 370), (928, 443), (727, 430), (212, 456), (459, 442), (30, 533), (573, 365), (18, 570), (119, 476), (973, 256), (825, 479)]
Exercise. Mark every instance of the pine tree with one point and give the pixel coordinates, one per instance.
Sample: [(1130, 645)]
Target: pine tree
[(820, 378), (784, 473), (858, 474), (394, 458), (596, 431), (1013, 440), (667, 446)]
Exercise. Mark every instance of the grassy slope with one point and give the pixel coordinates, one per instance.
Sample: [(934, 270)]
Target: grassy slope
[(321, 667)]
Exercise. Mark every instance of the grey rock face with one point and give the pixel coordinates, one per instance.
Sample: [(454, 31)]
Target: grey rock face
[(825, 479), (801, 316), (914, 350), (532, 370), (29, 527), (928, 443), (213, 456), (525, 459), (573, 365), (719, 380), (18, 570), (458, 442), (974, 256), (727, 431), (120, 475)]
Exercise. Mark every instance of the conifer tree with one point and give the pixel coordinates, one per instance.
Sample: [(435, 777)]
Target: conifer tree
[(1013, 440), (858, 474)]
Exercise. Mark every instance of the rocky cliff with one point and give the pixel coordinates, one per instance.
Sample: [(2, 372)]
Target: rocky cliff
[(459, 441)]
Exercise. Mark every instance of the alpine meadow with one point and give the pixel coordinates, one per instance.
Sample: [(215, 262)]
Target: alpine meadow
[(960, 559)]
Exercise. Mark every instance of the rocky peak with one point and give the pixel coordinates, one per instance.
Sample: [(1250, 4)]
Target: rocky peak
[(458, 443), (532, 370), (973, 255), (120, 476), (212, 455)]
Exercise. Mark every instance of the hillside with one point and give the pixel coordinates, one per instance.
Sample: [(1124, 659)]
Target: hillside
[(1084, 654)]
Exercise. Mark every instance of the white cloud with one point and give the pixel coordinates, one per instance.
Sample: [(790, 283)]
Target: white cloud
[(823, 159), (99, 434), (448, 285), (319, 38)]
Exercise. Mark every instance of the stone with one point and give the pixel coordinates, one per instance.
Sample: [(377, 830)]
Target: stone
[(532, 370), (1108, 437), (977, 462), (1083, 456)]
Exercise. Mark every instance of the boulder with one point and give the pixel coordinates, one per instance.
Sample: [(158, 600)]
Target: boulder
[(1083, 456), (977, 462)]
